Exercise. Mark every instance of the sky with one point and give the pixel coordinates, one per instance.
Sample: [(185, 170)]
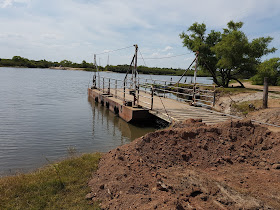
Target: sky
[(77, 29)]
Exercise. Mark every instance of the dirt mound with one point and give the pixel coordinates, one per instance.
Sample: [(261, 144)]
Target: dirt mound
[(271, 116), (192, 165)]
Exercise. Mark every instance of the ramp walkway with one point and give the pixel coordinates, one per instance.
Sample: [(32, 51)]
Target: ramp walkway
[(165, 100)]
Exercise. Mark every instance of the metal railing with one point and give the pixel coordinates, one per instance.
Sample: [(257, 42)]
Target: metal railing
[(123, 90), (146, 89), (198, 94)]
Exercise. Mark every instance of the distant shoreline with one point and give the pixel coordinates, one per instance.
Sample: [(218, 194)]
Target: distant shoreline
[(18, 61), (68, 68), (85, 69)]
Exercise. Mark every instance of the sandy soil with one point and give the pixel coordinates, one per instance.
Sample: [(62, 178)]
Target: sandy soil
[(67, 68), (271, 115), (257, 87), (224, 103), (233, 165)]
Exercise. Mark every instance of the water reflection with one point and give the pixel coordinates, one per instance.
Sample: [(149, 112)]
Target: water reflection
[(105, 118)]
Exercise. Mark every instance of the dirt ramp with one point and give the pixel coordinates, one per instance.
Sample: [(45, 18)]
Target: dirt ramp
[(192, 165)]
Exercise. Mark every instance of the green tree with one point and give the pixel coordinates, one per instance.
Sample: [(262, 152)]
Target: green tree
[(270, 69), (228, 55), (85, 64), (197, 41), (17, 59), (20, 61), (66, 63)]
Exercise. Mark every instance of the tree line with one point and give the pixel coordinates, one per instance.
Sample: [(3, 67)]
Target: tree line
[(156, 70), (18, 61)]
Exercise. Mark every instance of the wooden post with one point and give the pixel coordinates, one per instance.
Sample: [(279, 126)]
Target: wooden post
[(146, 85), (99, 87), (194, 90), (177, 92), (116, 88), (103, 84), (265, 93), (138, 91), (164, 89), (214, 96), (109, 86), (152, 97), (124, 92)]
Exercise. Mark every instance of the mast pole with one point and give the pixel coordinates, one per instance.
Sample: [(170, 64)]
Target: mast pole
[(196, 60), (95, 63), (135, 66), (136, 87)]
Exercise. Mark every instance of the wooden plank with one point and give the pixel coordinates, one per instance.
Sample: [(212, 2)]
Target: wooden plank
[(176, 110)]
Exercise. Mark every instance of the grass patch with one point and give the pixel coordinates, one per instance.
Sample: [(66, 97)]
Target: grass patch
[(247, 106), (221, 90), (62, 185), (233, 91), (241, 80)]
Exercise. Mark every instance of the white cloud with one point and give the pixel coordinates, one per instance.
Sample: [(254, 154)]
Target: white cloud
[(189, 58), (76, 29), (11, 36), (106, 51), (155, 55), (167, 48), (52, 36), (169, 54), (6, 3), (9, 3)]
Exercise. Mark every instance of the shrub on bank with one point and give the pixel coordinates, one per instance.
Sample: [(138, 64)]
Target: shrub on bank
[(270, 69), (62, 185)]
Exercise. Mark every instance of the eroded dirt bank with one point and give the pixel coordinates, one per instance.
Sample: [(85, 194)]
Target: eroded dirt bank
[(227, 104), (193, 166)]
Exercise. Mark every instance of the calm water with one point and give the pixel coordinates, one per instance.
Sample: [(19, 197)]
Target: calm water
[(44, 113)]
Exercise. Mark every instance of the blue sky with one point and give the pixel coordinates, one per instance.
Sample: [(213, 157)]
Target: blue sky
[(76, 29)]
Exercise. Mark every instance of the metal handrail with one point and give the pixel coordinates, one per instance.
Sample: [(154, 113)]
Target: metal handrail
[(168, 89)]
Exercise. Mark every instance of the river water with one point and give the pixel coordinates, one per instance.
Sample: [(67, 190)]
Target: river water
[(45, 115)]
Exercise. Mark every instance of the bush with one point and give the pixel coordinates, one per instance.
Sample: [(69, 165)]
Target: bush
[(61, 185), (278, 81), (270, 69)]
